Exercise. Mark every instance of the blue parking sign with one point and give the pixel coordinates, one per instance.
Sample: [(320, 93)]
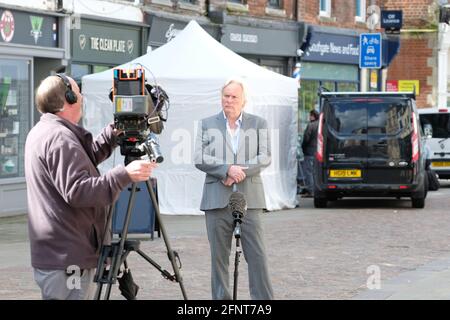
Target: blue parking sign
[(370, 50)]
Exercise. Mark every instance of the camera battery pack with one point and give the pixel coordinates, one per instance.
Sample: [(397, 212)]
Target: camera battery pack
[(132, 104)]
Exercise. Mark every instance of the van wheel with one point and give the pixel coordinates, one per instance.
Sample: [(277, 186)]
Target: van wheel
[(418, 202), (320, 202)]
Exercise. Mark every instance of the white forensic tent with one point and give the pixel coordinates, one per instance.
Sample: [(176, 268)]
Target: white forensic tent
[(192, 69)]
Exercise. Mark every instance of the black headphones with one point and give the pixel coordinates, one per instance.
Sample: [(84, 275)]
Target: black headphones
[(71, 96)]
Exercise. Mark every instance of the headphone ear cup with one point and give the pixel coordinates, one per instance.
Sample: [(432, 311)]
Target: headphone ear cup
[(71, 97)]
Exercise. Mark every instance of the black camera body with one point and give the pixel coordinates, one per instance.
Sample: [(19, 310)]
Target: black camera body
[(137, 112)]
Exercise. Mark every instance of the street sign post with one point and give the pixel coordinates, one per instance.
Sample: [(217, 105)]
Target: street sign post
[(370, 50)]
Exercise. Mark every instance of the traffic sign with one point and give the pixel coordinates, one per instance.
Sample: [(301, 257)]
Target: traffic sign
[(370, 50)]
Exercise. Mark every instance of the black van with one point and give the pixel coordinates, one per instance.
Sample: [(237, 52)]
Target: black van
[(369, 144)]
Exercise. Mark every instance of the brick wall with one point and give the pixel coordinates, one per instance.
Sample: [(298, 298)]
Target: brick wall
[(417, 58), (416, 61), (342, 14), (416, 13), (258, 9)]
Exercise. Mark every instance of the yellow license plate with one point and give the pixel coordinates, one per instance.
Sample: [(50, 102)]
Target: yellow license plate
[(440, 164), (352, 173)]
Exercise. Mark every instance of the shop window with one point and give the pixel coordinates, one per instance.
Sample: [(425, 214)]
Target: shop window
[(278, 65), (347, 86), (360, 10), (78, 71), (308, 100), (15, 115), (325, 8), (100, 68), (328, 85)]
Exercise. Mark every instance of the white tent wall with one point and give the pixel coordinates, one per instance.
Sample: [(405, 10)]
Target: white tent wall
[(192, 69)]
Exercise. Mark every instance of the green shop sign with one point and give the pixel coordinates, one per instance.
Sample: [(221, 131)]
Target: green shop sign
[(105, 42)]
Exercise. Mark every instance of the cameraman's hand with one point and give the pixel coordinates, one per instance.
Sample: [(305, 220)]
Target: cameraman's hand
[(140, 170)]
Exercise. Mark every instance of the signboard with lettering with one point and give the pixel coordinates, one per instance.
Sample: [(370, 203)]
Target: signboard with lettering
[(409, 86), (100, 42), (330, 47), (403, 86), (392, 85), (391, 20), (162, 30), (32, 29), (370, 50), (260, 41)]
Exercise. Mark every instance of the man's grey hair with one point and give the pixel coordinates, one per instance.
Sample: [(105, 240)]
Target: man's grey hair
[(240, 81)]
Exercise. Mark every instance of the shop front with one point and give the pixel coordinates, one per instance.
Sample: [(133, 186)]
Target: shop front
[(100, 45), (31, 46), (331, 61), (164, 28), (272, 47)]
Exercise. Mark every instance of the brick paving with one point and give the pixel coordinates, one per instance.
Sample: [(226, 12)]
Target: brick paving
[(313, 253)]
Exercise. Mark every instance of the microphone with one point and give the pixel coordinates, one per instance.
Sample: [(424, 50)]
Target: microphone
[(238, 206)]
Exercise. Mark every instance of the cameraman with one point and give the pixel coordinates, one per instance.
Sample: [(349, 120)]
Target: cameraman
[(67, 196)]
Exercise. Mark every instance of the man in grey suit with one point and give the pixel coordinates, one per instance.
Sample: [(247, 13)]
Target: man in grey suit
[(232, 148)]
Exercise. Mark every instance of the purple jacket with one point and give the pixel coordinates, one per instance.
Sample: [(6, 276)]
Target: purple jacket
[(67, 197)]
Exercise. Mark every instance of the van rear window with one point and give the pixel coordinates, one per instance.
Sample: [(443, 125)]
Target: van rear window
[(440, 123), (372, 116)]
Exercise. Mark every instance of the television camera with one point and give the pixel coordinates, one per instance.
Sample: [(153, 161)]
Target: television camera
[(139, 113)]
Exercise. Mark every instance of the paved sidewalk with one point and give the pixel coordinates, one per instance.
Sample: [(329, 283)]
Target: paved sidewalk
[(428, 282), (313, 253)]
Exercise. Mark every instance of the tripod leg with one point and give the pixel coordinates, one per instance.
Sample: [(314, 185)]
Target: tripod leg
[(102, 261), (165, 273), (118, 249), (166, 239)]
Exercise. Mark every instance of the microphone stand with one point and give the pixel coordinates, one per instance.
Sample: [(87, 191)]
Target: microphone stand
[(237, 235)]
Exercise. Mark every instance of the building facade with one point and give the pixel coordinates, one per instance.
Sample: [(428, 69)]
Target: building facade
[(40, 38), (330, 56), (318, 39), (416, 64), (32, 40)]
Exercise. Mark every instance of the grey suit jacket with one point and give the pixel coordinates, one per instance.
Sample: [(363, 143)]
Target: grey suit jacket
[(214, 155)]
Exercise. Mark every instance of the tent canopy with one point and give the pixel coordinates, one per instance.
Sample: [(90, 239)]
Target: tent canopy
[(192, 69)]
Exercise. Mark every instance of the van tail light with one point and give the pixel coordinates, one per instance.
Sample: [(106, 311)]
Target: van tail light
[(319, 152), (415, 139)]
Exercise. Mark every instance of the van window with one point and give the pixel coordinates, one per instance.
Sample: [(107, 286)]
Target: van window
[(346, 117), (439, 122), (389, 118), (369, 115)]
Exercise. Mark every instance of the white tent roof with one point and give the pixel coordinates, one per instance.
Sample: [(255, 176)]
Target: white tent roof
[(192, 68)]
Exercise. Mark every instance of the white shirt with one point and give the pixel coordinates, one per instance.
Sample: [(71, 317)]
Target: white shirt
[(234, 135)]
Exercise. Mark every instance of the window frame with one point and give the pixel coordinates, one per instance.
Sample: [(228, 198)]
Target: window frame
[(272, 6), (327, 11), (361, 17)]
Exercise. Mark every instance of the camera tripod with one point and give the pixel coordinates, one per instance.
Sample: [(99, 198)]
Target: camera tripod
[(119, 250)]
